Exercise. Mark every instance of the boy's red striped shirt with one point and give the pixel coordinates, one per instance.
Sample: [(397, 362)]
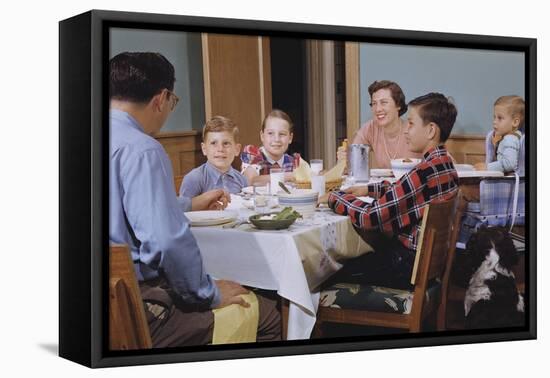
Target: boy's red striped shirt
[(398, 208)]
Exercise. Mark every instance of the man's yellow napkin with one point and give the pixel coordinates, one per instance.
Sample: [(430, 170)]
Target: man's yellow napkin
[(235, 323)]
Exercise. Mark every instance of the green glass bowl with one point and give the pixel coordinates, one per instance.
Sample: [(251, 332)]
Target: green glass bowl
[(270, 224)]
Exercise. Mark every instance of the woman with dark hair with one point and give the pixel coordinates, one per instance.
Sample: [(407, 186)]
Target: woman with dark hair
[(384, 132)]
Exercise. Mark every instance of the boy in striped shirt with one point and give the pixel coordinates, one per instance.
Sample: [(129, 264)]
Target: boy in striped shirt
[(392, 221)]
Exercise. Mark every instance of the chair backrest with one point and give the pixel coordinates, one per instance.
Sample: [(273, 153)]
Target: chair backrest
[(434, 241), (177, 183), (521, 163), (128, 327)]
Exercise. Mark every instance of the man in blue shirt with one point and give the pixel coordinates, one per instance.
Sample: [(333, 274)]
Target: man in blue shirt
[(145, 213)]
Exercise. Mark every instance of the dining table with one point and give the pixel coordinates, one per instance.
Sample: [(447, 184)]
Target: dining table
[(294, 262)]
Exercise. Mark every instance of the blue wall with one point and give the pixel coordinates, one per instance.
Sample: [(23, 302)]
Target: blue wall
[(474, 78), (184, 51)]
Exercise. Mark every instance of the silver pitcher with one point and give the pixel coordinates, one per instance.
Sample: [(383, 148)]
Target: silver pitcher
[(358, 158)]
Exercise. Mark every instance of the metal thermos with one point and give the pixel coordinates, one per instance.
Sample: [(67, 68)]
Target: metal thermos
[(359, 162)]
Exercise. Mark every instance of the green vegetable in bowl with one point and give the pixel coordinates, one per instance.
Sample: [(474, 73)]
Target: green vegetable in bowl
[(288, 213)]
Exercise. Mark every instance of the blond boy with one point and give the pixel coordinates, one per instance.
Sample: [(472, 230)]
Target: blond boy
[(220, 146)]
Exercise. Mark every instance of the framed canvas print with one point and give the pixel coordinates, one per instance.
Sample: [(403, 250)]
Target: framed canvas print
[(234, 188)]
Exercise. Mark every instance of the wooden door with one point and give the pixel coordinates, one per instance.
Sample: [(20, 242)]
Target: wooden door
[(237, 81)]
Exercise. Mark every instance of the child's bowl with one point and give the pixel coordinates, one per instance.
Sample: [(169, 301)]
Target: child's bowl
[(402, 166), (303, 201)]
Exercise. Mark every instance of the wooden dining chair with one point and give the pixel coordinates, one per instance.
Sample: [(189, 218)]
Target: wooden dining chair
[(445, 283), (128, 328), (388, 307)]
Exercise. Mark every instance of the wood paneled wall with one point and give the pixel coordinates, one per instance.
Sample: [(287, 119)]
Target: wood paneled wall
[(467, 149), (237, 81), (183, 149)]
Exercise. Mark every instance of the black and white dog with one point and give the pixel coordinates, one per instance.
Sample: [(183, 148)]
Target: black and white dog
[(492, 299)]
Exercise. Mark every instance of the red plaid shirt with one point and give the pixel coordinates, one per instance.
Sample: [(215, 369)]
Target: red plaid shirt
[(254, 155), (398, 207)]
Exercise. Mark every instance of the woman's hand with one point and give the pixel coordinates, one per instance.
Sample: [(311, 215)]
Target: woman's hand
[(342, 154)]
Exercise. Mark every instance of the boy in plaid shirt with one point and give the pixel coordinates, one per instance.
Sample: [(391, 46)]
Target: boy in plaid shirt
[(392, 221)]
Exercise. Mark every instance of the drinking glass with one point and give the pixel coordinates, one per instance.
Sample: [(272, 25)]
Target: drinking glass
[(318, 184), (316, 166), (276, 175), (261, 199)]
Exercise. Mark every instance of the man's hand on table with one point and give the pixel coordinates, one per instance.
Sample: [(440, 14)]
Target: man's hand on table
[(216, 199), (229, 293)]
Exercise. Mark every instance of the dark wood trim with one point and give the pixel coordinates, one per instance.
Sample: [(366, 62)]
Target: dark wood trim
[(177, 134)]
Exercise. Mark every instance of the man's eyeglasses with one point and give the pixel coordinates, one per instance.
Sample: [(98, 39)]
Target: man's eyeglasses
[(175, 99)]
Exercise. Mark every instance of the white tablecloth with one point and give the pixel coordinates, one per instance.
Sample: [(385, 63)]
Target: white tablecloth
[(292, 262)]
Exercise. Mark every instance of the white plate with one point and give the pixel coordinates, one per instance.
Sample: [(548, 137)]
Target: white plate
[(210, 217), (381, 172), (464, 167), (480, 174), (261, 190)]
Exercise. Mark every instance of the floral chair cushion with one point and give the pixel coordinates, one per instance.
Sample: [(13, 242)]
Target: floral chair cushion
[(372, 298)]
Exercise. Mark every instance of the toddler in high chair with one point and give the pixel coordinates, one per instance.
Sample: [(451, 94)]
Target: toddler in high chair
[(508, 119)]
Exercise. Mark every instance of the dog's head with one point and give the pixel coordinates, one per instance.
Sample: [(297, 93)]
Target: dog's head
[(485, 241), (488, 238)]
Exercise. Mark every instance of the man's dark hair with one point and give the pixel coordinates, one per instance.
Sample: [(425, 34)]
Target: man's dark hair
[(436, 108), (139, 76)]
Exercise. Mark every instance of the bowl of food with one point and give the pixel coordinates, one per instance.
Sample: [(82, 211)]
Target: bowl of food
[(303, 201), (275, 220), (401, 166)]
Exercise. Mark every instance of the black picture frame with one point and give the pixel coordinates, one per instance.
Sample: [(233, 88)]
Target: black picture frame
[(83, 273)]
